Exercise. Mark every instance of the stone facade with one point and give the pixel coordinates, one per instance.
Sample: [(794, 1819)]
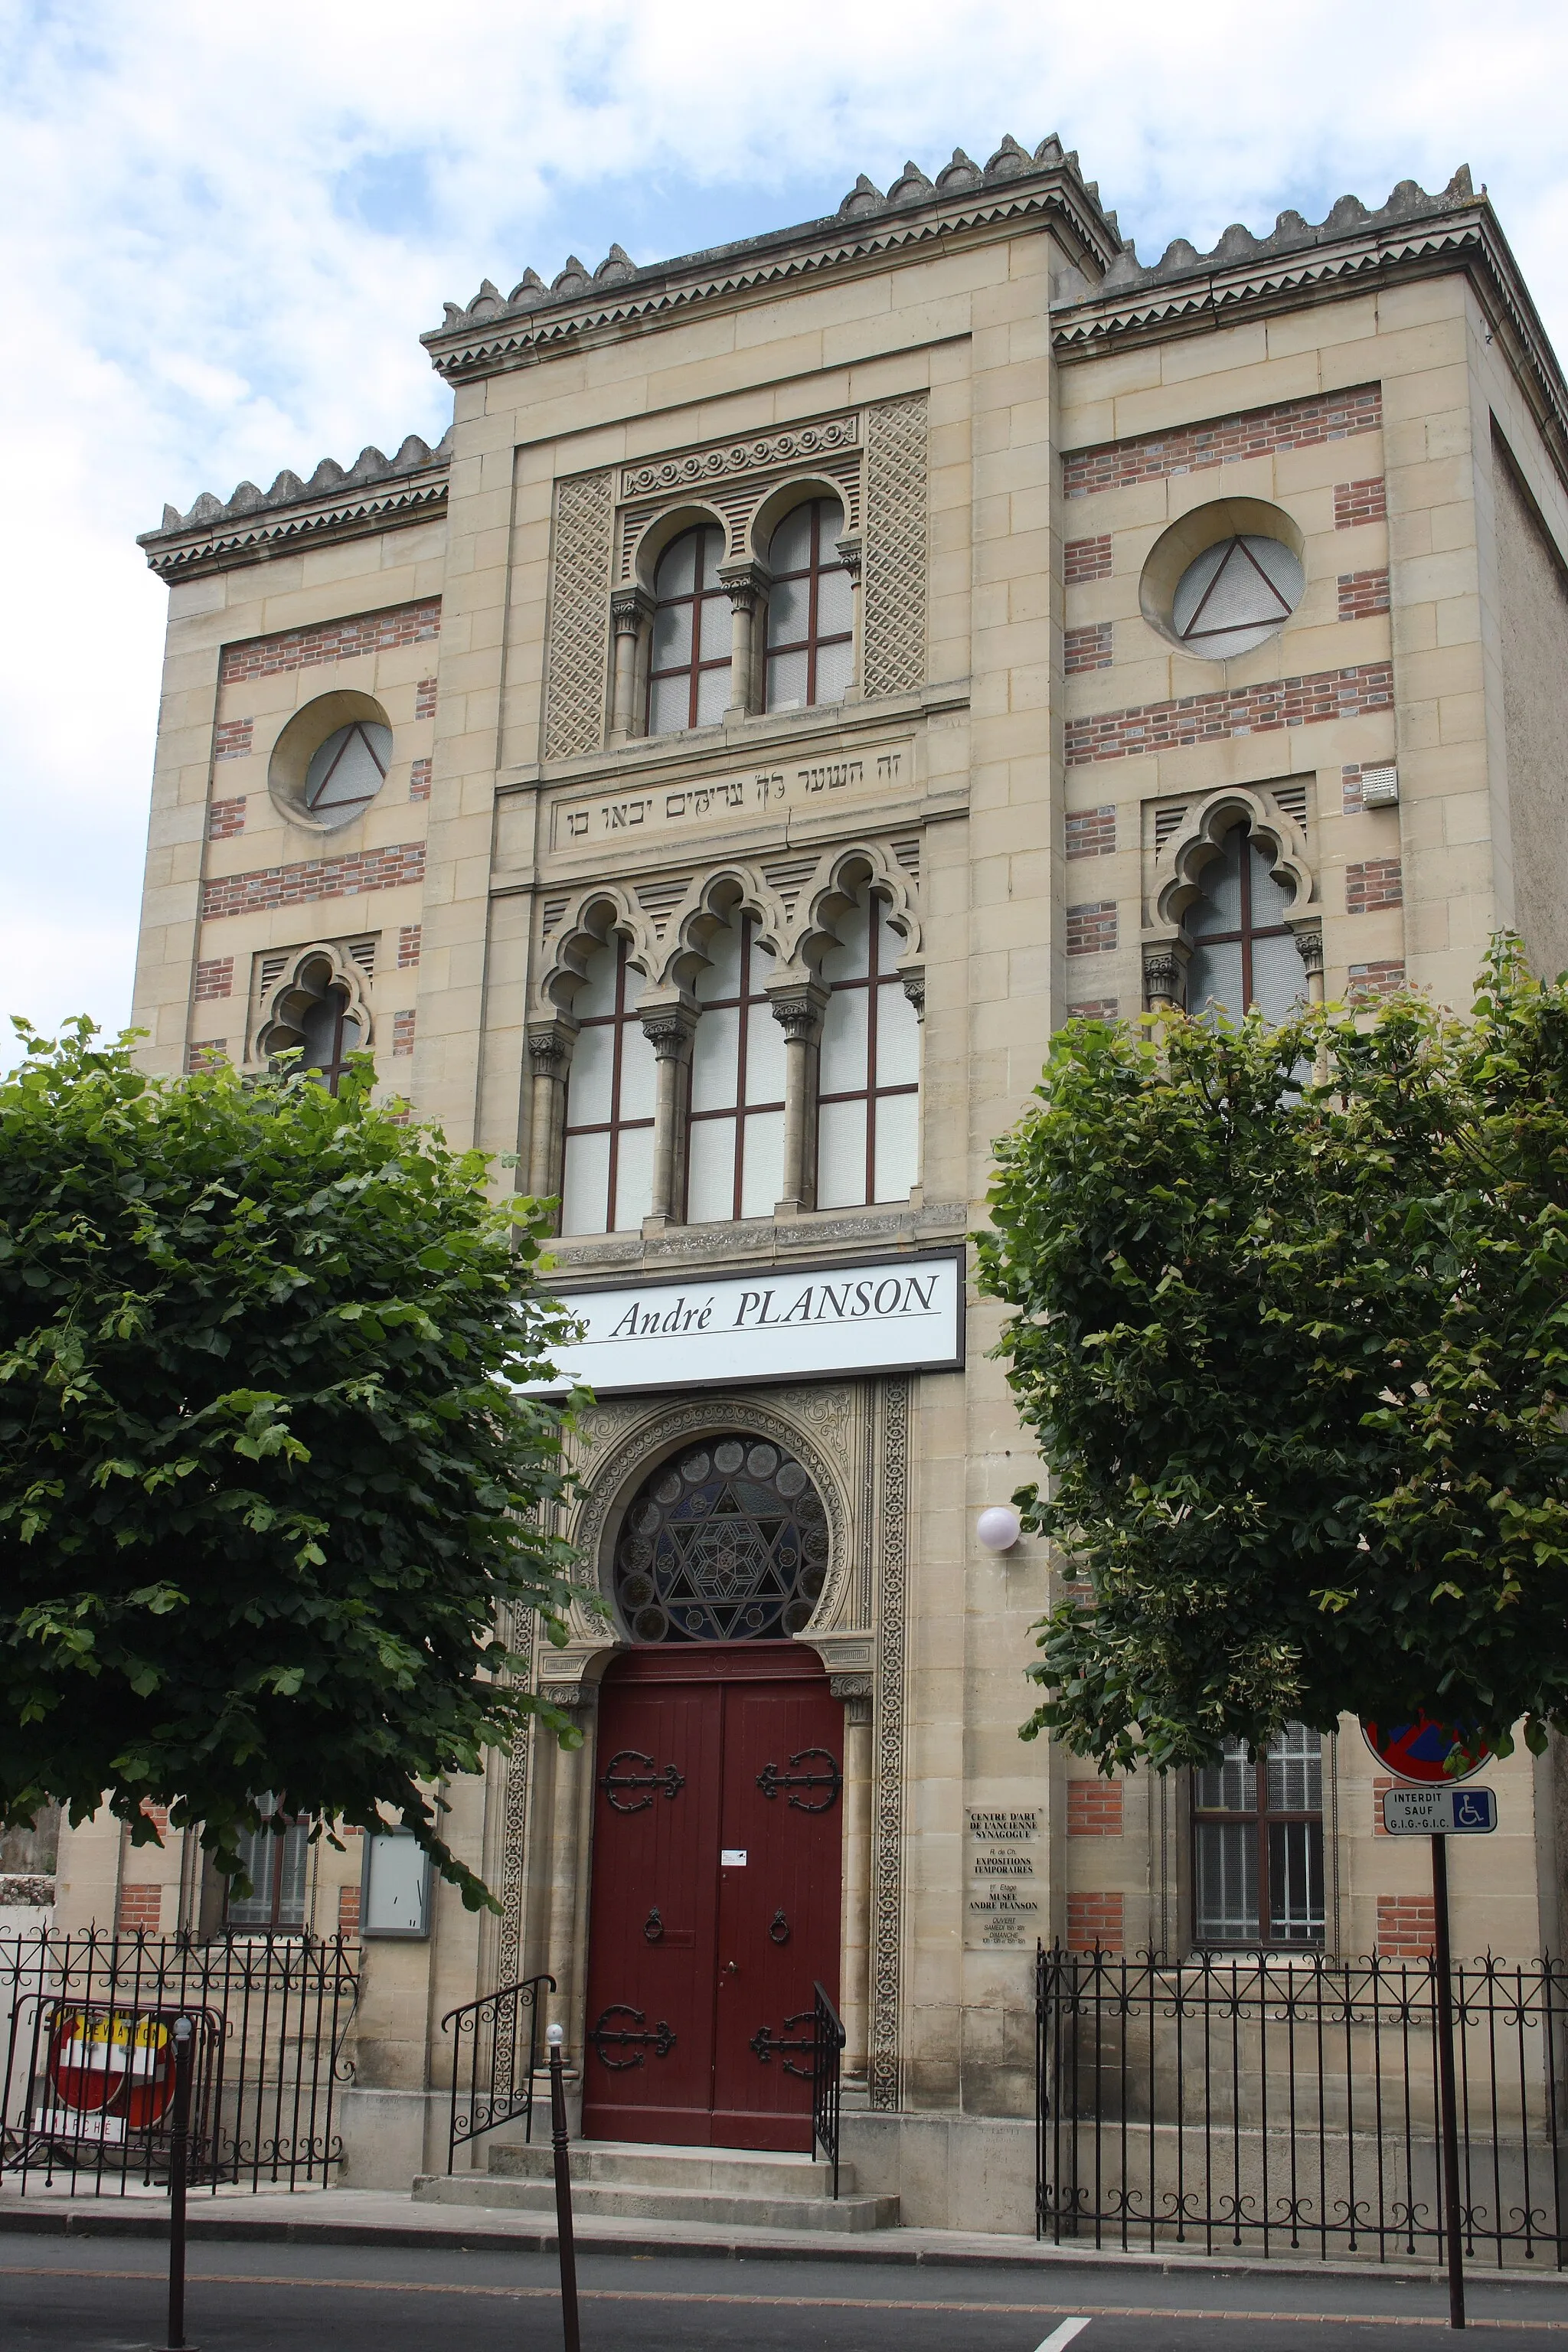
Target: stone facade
[(1025, 430)]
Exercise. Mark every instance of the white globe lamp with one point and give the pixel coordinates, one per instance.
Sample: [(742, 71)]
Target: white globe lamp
[(998, 1528)]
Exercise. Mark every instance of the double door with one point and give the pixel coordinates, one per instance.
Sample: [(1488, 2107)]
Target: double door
[(717, 1826)]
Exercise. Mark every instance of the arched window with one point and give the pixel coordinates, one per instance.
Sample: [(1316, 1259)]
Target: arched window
[(725, 1542), (735, 1154), (607, 1185), (1243, 953), (329, 1033), (1257, 1843), (688, 676), (810, 609), (1234, 595), (347, 772), (867, 1119)]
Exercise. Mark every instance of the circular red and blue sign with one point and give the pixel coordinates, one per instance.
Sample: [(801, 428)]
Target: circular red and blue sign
[(1419, 1752)]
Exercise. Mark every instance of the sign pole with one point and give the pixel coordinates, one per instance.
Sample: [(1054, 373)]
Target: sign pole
[(1447, 2101), (563, 2145), (179, 2155)]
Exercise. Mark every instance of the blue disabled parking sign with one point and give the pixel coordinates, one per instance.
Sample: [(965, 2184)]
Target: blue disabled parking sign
[(1439, 1813)]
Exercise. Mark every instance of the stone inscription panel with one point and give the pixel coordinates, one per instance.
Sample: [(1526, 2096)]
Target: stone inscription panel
[(718, 802), (1002, 1896)]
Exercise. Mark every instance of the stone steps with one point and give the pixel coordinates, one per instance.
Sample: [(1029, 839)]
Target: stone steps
[(735, 2187)]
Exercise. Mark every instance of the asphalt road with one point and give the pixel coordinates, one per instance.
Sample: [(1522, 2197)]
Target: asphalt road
[(84, 2296)]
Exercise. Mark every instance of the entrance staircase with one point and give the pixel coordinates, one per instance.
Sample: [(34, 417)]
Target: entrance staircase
[(624, 2180)]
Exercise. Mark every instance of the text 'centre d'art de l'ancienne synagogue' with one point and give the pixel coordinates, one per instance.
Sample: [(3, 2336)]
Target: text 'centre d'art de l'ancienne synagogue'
[(805, 674)]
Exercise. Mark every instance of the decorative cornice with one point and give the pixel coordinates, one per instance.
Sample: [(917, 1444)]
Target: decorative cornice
[(376, 493), (690, 468), (497, 331)]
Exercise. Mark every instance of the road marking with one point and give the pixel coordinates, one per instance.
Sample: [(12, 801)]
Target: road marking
[(1060, 2337), (799, 2301)]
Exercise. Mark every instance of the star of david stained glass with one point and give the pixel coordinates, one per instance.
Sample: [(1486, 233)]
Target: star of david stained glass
[(726, 1542)]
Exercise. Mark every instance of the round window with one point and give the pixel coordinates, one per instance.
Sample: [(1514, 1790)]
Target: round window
[(727, 1542), (1236, 595), (347, 772)]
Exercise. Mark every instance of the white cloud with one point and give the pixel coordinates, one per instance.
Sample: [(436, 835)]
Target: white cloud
[(226, 228)]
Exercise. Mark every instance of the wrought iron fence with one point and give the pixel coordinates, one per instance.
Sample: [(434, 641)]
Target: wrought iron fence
[(495, 2055), (828, 2048), (86, 2096), (1286, 2104)]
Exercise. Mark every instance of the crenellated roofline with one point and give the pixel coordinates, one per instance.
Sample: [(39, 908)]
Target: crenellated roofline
[(376, 493)]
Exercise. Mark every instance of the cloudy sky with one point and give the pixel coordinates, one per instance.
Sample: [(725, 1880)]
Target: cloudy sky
[(225, 227)]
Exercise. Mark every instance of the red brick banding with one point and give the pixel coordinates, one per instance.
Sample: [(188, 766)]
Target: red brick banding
[(409, 937), (1094, 1809), (1406, 1926), (331, 641), (232, 739), (403, 1033), (1092, 832), (1350, 789), (1373, 882), (348, 1910), (420, 781), (225, 819), (1361, 594), (1093, 1008), (1092, 928), (1094, 1923), (1087, 558), (1359, 502), (206, 1054), (311, 878), (1371, 981), (214, 978), (140, 1908), (1088, 649), (425, 698), (1213, 718), (1223, 440)]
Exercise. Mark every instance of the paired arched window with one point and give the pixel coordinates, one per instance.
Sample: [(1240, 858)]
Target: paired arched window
[(688, 674), (607, 1181), (868, 1120), (735, 1151), (1243, 951), (810, 609)]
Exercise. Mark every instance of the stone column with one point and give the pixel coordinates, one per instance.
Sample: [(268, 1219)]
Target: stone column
[(849, 556), (1165, 969), (746, 584), (550, 1052), (1310, 947), (798, 1007), (629, 609), (670, 1028), (854, 1997)]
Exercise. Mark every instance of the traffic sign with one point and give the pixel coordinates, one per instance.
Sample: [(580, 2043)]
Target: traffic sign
[(1439, 1813), (1420, 1751)]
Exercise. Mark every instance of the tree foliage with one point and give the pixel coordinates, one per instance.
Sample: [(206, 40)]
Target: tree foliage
[(268, 1498), (1291, 1325)]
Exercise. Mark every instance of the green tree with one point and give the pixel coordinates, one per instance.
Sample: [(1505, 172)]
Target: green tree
[(269, 1498), (1291, 1314)]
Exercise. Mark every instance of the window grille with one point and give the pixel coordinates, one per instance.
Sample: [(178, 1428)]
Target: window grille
[(810, 609), (1257, 1843), (867, 1134), (735, 1157), (607, 1186)]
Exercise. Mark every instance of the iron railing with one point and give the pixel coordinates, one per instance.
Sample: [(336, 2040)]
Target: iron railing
[(1286, 2103), (827, 2050), (86, 2096), (495, 2055)]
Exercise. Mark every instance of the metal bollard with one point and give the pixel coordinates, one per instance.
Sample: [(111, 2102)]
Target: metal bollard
[(184, 2035), (556, 2036)]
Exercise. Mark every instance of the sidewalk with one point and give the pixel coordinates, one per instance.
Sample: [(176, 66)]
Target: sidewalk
[(368, 2216)]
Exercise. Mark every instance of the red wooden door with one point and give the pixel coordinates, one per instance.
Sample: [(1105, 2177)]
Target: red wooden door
[(701, 1964)]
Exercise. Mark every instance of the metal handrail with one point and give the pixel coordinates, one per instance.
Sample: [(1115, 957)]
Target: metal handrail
[(828, 2045), (488, 2030)]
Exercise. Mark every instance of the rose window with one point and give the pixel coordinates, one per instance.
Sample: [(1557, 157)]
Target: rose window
[(726, 1542)]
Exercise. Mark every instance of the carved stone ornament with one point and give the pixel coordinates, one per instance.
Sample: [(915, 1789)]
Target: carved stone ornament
[(849, 554), (629, 608), (668, 1029), (550, 1048), (1162, 970), (1310, 947), (694, 467), (915, 990), (744, 583), (798, 1010)]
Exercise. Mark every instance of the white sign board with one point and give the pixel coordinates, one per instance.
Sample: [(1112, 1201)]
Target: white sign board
[(1439, 1813), (394, 1890), (881, 1315)]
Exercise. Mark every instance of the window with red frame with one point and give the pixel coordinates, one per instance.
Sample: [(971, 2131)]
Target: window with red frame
[(607, 1182), (867, 1116), (810, 609), (689, 674), (735, 1148)]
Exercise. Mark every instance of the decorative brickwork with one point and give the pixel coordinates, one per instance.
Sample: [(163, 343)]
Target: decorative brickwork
[(1094, 1809), (1370, 982), (140, 1908), (348, 1910), (420, 781), (214, 978), (1086, 648), (1282, 702), (311, 878), (232, 739), (1362, 594), (1093, 1008), (225, 819), (403, 1033), (1092, 928), (408, 940), (206, 1054), (1094, 1923), (1357, 502), (332, 641), (425, 698), (1350, 789), (1406, 1926), (1086, 559), (1372, 883), (1092, 832), (1223, 440)]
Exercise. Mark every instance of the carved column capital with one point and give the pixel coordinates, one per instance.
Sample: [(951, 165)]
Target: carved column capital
[(668, 1029), (1164, 970), (629, 608), (550, 1045), (913, 976), (1310, 947), (798, 1006), (849, 554), (744, 583)]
